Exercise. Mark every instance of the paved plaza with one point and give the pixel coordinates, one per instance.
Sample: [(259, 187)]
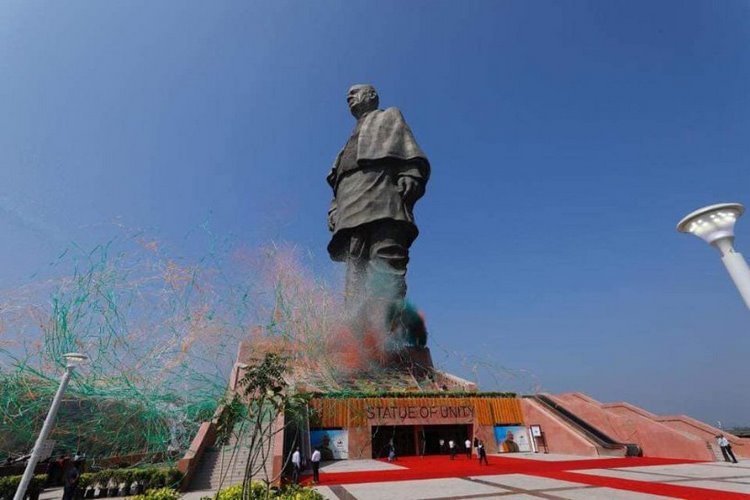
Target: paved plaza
[(569, 478), (553, 477)]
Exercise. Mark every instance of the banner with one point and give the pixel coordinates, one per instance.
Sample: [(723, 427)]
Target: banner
[(333, 444), (512, 438)]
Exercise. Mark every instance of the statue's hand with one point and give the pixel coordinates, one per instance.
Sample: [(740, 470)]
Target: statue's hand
[(332, 214), (409, 189)]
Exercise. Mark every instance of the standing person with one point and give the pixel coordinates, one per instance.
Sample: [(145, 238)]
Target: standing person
[(70, 483), (391, 451), (297, 463), (52, 471), (59, 471), (482, 453), (726, 448), (467, 444), (452, 448), (315, 461), (79, 460), (442, 446)]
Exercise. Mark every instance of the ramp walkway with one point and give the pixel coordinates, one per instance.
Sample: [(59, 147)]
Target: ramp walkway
[(605, 444)]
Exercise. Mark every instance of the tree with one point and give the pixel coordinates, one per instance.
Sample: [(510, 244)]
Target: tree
[(272, 408)]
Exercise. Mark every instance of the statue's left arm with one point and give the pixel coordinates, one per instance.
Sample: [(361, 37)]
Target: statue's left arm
[(385, 136), (414, 172), (412, 181), (332, 215)]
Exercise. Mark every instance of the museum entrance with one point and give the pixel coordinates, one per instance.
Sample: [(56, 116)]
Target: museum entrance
[(418, 439), (402, 437), (434, 433)]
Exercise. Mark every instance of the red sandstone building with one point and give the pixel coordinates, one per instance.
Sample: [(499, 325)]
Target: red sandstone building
[(413, 421)]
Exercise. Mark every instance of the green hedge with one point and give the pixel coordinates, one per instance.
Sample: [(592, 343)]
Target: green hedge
[(149, 477), (9, 485)]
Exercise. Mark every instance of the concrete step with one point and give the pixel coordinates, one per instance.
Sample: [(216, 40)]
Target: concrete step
[(225, 466)]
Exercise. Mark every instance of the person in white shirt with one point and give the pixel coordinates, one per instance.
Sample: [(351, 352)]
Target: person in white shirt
[(726, 448), (467, 443), (297, 463), (315, 461)]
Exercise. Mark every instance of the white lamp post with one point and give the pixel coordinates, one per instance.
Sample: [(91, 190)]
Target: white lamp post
[(72, 360), (715, 225)]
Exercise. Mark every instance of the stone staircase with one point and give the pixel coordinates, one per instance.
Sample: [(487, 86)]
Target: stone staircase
[(225, 466)]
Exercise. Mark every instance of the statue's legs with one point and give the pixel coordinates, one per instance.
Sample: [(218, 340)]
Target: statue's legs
[(377, 275), (356, 270), (376, 261), (376, 281), (386, 282), (388, 258)]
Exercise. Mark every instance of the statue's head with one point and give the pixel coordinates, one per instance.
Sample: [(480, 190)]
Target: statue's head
[(362, 98)]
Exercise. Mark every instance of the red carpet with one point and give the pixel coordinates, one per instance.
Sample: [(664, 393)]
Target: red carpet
[(434, 467)]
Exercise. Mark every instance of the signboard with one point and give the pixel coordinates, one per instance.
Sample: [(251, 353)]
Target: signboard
[(536, 431), (512, 438), (333, 444), (418, 413), (45, 449)]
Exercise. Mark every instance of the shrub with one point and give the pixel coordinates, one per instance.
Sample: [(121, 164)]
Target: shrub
[(9, 485), (230, 493), (296, 492), (174, 477), (258, 492), (86, 479), (158, 494), (141, 475)]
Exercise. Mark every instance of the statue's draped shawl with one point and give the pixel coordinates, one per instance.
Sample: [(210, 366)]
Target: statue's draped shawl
[(385, 135), (365, 191)]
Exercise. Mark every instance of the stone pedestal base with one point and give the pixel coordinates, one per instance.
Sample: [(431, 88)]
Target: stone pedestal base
[(414, 360)]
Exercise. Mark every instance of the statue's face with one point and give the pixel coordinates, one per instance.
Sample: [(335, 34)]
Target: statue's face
[(361, 99)]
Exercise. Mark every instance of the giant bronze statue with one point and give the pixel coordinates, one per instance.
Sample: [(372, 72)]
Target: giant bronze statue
[(376, 179)]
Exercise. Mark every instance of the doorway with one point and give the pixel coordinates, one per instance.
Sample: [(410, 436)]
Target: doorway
[(402, 437), (434, 433), (410, 440)]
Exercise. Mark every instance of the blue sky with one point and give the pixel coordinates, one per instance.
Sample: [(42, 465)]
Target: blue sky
[(566, 138)]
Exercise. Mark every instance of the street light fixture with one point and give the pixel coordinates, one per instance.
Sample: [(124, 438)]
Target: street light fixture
[(72, 360), (714, 224)]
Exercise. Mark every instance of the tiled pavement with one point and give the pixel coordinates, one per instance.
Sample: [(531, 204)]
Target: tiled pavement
[(515, 486), (720, 476), (724, 479)]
